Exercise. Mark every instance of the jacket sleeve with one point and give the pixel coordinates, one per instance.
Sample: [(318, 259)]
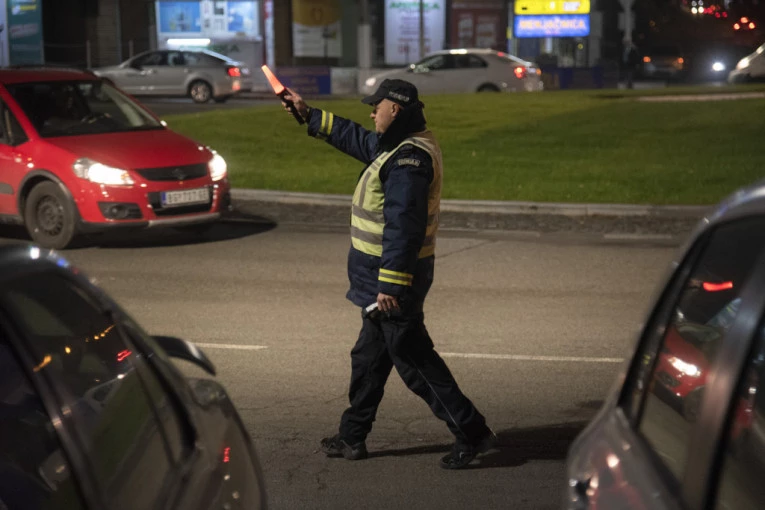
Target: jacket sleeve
[(343, 134), (406, 178)]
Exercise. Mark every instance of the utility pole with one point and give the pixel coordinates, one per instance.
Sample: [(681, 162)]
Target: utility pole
[(364, 36), (422, 29), (627, 6)]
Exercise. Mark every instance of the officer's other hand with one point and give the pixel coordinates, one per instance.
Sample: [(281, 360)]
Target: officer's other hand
[(297, 101), (387, 303)]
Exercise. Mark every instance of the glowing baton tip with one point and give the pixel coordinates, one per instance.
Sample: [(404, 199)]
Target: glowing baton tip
[(276, 85)]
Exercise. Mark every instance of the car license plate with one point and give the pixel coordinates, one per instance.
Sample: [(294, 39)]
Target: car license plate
[(185, 197)]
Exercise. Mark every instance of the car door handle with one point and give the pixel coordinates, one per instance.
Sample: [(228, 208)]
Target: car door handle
[(148, 71)]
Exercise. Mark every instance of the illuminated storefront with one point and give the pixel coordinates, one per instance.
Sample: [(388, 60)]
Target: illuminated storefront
[(230, 27)]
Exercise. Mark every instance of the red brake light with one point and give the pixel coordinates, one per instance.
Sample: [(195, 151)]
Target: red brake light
[(736, 26), (751, 26), (227, 455), (646, 59), (716, 287), (744, 20), (234, 72), (123, 355), (520, 72)]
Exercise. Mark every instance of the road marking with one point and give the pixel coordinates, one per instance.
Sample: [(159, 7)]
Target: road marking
[(240, 347), (469, 355), (522, 357)]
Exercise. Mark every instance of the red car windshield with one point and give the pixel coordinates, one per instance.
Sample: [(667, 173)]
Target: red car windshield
[(58, 108)]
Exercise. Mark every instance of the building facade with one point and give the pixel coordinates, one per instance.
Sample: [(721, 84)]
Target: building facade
[(340, 37)]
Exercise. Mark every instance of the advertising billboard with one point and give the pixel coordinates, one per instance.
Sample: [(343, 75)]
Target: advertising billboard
[(316, 28), (552, 6), (402, 29), (477, 25), (574, 25), (24, 29), (213, 19)]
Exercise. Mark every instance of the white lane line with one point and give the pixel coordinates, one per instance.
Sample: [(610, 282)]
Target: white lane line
[(469, 355), (239, 347), (522, 357)]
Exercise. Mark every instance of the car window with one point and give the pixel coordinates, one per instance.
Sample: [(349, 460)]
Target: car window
[(192, 59), (11, 133), (435, 63), (178, 435), (468, 61), (743, 468), (100, 382), (80, 108), (175, 58), (34, 472), (675, 362), (155, 58)]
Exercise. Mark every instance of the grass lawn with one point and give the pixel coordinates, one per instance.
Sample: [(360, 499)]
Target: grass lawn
[(567, 146)]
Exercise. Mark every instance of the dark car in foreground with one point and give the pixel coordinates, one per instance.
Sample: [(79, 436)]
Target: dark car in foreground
[(684, 427), (93, 412), (78, 156)]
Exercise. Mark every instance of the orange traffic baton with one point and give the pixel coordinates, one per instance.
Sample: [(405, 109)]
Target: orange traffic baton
[(280, 91)]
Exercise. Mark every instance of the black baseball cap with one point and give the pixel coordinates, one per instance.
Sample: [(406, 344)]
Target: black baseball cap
[(399, 91)]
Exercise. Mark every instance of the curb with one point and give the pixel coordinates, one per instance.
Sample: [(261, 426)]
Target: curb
[(488, 206)]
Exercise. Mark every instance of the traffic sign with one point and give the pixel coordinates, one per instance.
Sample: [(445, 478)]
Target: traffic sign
[(552, 6)]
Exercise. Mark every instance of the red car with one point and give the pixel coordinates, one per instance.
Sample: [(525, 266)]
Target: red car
[(77, 155)]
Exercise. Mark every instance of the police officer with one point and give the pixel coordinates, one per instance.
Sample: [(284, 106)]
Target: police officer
[(394, 220)]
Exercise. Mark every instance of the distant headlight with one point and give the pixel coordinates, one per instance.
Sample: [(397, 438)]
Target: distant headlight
[(218, 167), (744, 62), (94, 171), (371, 82), (718, 67)]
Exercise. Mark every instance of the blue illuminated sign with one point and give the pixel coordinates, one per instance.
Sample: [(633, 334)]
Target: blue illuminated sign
[(180, 17), (568, 25)]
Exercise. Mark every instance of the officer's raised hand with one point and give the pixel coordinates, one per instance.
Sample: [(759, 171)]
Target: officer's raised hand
[(297, 101)]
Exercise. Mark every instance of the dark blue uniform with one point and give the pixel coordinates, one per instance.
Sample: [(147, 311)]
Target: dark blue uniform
[(406, 212), (398, 338)]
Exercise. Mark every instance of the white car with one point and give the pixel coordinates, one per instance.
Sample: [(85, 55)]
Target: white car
[(202, 75), (465, 70), (751, 67)]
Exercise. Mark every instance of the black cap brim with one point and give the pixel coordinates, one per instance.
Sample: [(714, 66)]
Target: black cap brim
[(373, 99)]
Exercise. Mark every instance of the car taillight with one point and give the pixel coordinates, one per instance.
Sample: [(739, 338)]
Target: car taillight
[(647, 59), (717, 287), (520, 72), (234, 72)]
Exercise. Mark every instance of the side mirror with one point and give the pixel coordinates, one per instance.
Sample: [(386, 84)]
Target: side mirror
[(177, 348)]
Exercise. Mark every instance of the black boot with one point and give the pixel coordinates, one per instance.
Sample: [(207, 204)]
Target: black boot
[(335, 447), (463, 454)]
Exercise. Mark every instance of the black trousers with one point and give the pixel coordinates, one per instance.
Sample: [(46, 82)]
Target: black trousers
[(401, 340)]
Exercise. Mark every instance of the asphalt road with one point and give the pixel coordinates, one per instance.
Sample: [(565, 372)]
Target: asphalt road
[(533, 330)]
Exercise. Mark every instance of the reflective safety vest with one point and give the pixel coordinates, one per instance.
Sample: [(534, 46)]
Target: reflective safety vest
[(367, 221)]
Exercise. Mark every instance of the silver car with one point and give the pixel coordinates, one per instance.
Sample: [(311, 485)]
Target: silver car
[(201, 75), (465, 70), (684, 427)]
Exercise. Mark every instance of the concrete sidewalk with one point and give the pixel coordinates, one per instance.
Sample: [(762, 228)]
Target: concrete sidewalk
[(603, 221)]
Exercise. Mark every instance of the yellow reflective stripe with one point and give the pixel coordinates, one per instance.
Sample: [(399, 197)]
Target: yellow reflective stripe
[(368, 248), (374, 216), (367, 226), (320, 133), (388, 272), (330, 123), (397, 282), (368, 237)]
